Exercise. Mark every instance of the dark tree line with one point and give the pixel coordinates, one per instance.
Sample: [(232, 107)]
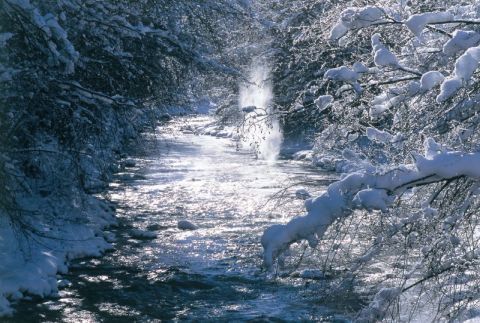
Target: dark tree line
[(79, 79)]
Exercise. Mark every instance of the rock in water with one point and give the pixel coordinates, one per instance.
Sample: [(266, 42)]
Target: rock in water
[(142, 234), (302, 194), (129, 163), (186, 225)]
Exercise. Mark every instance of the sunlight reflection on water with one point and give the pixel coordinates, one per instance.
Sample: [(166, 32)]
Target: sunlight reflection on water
[(212, 273)]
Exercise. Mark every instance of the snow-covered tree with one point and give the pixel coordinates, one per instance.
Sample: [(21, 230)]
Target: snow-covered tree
[(398, 114), (78, 81)]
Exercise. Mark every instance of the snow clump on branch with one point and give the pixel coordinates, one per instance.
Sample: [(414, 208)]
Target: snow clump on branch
[(461, 40), (362, 190), (416, 23), (344, 74), (465, 66), (382, 56), (430, 79), (356, 18)]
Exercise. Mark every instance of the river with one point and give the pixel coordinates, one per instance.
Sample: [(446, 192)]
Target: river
[(213, 273)]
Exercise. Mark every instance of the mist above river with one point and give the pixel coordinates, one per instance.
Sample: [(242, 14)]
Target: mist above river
[(261, 130)]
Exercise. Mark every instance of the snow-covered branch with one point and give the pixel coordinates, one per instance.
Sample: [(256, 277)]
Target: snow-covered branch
[(368, 191)]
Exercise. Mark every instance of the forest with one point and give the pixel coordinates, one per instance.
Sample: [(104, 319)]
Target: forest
[(240, 160)]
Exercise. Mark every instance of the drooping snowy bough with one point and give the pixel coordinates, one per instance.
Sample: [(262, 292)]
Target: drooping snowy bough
[(397, 226), (367, 191)]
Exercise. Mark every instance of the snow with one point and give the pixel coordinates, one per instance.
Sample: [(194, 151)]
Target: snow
[(61, 49), (375, 134), (338, 31), (461, 40), (432, 148), (213, 129), (303, 155), (341, 73), (465, 66), (6, 75), (384, 102), (35, 274), (416, 23), (365, 190), (205, 106), (355, 18), (412, 88), (344, 74), (62, 283), (186, 225), (449, 87), (429, 212), (382, 56), (360, 68), (450, 164), (378, 135), (109, 236), (323, 102), (393, 97), (373, 199), (430, 79)]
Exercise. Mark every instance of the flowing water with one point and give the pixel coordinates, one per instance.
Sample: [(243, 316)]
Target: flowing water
[(213, 273)]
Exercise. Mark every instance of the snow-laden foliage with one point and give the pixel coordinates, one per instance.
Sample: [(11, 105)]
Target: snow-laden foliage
[(356, 18), (79, 80), (391, 91)]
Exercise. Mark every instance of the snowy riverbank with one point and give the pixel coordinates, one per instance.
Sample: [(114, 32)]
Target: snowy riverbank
[(34, 260), (62, 216)]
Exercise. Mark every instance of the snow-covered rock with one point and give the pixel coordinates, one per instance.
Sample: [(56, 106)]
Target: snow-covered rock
[(129, 162), (302, 194), (186, 225), (37, 273)]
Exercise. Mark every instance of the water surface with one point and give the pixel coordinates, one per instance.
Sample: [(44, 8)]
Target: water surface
[(213, 273)]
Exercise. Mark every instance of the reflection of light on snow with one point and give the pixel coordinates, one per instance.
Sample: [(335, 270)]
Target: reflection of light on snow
[(261, 129)]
